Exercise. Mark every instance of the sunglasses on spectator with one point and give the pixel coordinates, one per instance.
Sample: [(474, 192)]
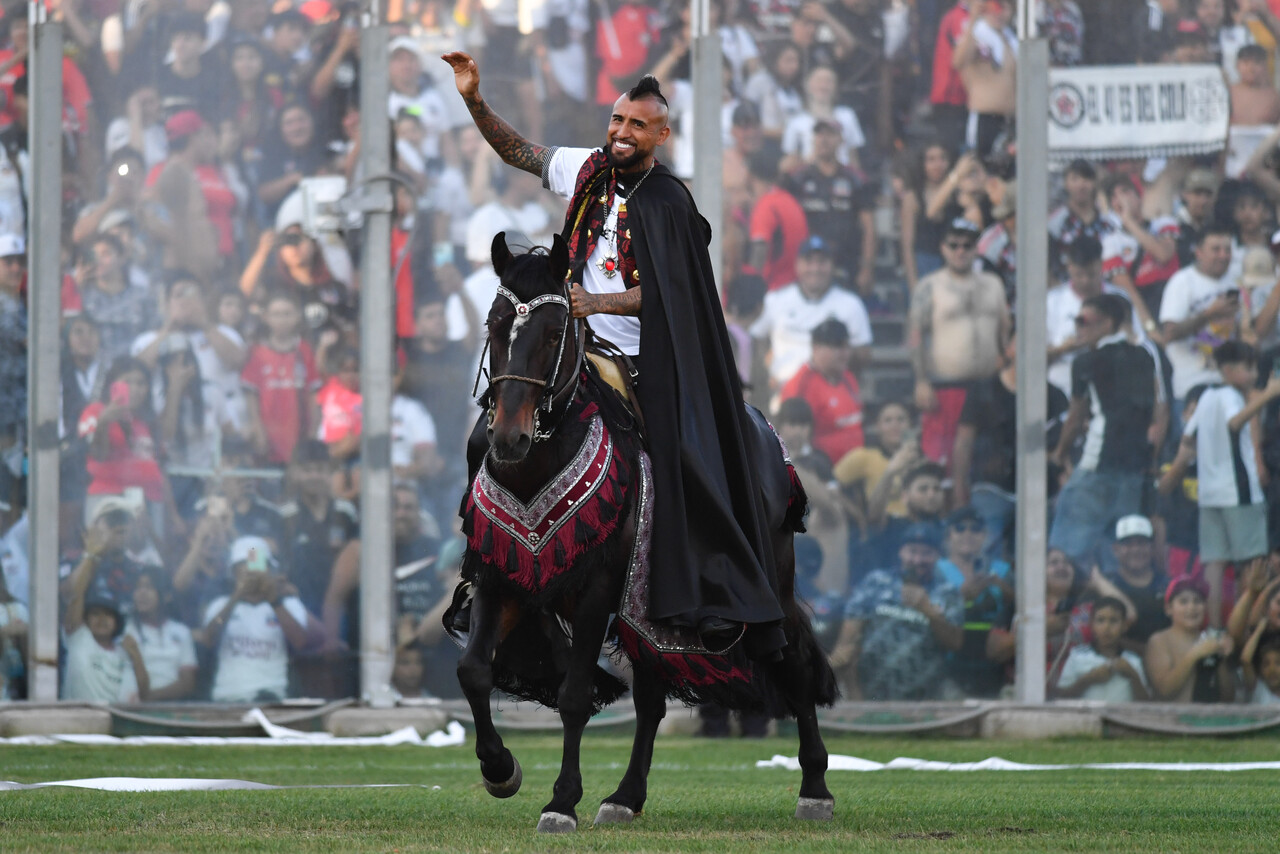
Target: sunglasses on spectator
[(967, 527), (1081, 320), (18, 260), (960, 245)]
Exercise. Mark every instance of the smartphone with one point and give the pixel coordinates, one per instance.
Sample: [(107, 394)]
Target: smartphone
[(256, 562), (442, 254), (1234, 294), (120, 392)]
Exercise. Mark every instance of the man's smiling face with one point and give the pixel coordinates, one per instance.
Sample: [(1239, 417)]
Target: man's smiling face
[(636, 129)]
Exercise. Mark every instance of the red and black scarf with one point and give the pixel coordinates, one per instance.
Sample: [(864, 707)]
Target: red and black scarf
[(592, 193)]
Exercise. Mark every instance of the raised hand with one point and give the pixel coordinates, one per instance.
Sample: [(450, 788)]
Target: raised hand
[(466, 74)]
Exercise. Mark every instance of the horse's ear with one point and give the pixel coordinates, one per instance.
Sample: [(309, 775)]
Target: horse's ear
[(500, 253), (559, 257)]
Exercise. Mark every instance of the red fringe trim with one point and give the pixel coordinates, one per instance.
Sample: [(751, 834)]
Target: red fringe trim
[(680, 668), (535, 573)]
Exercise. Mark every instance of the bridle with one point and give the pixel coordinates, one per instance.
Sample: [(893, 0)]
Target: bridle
[(550, 393)]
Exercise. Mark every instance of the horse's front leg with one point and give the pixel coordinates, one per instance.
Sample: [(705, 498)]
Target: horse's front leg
[(491, 619), (591, 618)]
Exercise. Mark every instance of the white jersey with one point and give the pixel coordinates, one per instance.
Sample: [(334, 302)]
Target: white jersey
[(562, 175), (95, 674), (253, 655), (166, 649)]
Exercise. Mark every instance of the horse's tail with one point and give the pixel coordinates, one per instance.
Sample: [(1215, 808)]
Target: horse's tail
[(797, 502), (812, 657)]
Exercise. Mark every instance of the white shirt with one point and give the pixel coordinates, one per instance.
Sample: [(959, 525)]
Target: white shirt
[(562, 174), (1082, 658), (493, 217), (166, 649), (224, 381), (434, 115), (797, 136), (94, 674), (14, 561), (1218, 452), (1262, 695), (411, 427), (1188, 292), (253, 655), (788, 319), (1062, 305)]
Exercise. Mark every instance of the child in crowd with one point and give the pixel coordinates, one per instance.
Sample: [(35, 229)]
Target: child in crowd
[(168, 652), (101, 667), (1185, 663), (1233, 511), (1260, 666), (1102, 670)]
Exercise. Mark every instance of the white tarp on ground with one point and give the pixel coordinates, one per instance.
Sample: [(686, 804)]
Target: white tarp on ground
[(995, 763), (276, 736), (181, 784)]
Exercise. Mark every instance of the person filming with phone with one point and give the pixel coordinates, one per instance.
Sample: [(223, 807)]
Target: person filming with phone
[(1200, 310)]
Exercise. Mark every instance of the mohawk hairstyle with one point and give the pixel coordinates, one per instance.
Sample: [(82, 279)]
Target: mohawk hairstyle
[(647, 88)]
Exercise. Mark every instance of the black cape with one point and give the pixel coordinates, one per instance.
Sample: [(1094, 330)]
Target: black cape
[(710, 553)]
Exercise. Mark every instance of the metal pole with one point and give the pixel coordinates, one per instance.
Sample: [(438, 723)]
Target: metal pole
[(44, 225), (1033, 269), (377, 336), (708, 100)]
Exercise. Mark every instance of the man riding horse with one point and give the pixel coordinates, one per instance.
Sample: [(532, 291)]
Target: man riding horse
[(641, 271)]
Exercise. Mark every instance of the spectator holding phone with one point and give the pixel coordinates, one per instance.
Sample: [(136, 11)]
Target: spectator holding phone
[(1200, 310), (255, 630), (119, 428)]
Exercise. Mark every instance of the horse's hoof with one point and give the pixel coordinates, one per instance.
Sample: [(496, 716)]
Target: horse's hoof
[(614, 814), (815, 809), (510, 787), (554, 822)]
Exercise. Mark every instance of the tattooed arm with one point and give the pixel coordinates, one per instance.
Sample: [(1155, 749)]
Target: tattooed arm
[(584, 303), (514, 149)]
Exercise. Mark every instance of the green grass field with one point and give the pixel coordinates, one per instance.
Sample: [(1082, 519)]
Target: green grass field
[(705, 796)]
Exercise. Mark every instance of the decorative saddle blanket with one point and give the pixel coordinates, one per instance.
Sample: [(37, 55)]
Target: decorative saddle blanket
[(536, 544)]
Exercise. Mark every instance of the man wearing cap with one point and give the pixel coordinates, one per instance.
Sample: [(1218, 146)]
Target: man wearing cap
[(411, 89), (641, 274), (13, 338), (195, 196), (256, 630), (838, 202), (831, 390), (956, 328), (1078, 216), (791, 314), (1138, 578), (987, 592), (777, 228), (900, 624)]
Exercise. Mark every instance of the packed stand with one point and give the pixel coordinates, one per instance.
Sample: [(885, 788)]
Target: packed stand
[(211, 407)]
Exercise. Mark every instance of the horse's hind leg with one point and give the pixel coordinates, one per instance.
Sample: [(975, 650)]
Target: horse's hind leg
[(798, 673), (501, 771), (650, 701), (590, 620)]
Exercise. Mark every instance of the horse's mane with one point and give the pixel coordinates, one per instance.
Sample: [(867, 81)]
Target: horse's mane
[(523, 278)]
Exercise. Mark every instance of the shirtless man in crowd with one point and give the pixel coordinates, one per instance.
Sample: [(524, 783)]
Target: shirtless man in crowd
[(987, 58), (957, 329), (1254, 100)]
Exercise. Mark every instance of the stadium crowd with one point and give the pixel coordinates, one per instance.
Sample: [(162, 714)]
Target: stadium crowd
[(211, 407)]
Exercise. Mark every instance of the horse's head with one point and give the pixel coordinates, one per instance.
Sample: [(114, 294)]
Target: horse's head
[(532, 351)]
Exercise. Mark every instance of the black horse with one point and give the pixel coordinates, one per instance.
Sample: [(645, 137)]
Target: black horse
[(557, 525)]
